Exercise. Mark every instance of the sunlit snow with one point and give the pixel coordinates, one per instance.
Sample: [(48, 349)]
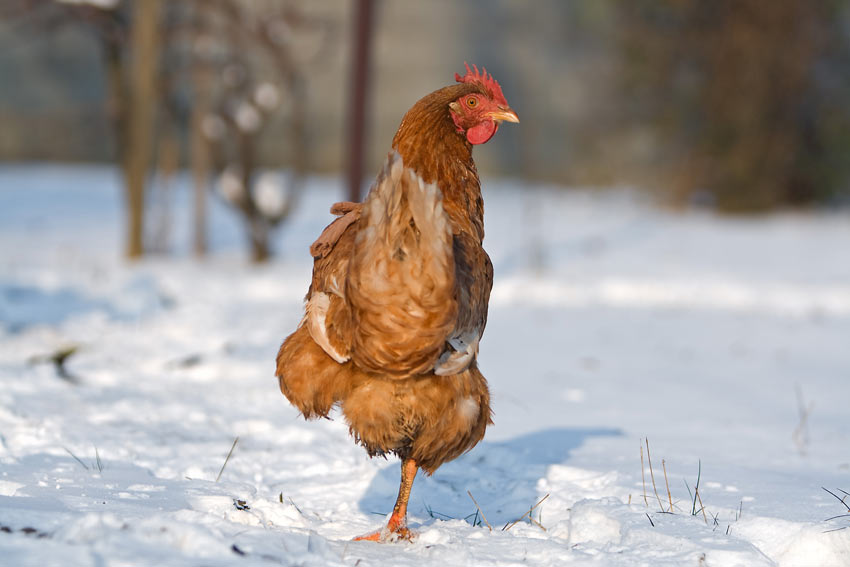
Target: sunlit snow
[(721, 341)]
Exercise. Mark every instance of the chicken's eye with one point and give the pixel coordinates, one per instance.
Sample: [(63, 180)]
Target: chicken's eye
[(472, 102)]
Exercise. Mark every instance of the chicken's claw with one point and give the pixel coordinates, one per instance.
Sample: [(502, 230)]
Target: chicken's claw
[(386, 535)]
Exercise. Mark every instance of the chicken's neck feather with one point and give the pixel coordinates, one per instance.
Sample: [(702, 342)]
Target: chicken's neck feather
[(429, 143)]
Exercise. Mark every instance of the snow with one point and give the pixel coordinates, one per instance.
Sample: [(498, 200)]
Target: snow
[(229, 184), (213, 127), (247, 117), (102, 4), (270, 194), (721, 341), (266, 96)]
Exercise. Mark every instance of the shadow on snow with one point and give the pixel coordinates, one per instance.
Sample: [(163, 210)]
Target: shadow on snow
[(24, 305), (502, 476)]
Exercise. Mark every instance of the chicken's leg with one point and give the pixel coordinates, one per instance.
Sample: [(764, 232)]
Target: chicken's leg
[(396, 527)]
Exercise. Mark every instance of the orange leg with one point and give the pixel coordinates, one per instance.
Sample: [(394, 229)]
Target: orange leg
[(397, 525)]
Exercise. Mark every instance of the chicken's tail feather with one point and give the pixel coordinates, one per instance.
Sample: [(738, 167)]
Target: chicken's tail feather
[(401, 275)]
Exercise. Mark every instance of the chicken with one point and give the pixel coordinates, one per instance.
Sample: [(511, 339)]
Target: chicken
[(398, 299)]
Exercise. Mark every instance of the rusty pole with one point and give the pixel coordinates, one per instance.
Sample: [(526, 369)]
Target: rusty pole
[(359, 93)]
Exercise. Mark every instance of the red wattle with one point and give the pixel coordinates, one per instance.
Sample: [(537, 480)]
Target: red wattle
[(481, 132)]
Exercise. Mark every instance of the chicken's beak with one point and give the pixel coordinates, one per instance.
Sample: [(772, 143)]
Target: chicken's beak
[(503, 114)]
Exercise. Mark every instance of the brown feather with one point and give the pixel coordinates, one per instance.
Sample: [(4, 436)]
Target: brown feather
[(348, 212), (401, 276)]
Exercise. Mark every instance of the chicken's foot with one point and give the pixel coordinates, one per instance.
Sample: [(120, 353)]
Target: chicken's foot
[(396, 527)]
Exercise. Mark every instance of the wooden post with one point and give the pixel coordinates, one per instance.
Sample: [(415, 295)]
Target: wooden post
[(145, 54), (199, 157), (359, 93)]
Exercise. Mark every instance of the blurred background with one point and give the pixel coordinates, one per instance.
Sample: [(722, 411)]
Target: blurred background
[(741, 106)]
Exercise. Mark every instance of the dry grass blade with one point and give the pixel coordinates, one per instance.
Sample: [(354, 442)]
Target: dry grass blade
[(530, 510), (480, 511), (701, 507), (698, 498), (85, 466), (800, 435), (539, 521), (842, 500), (229, 454), (59, 358), (652, 475), (669, 496), (643, 477), (294, 505)]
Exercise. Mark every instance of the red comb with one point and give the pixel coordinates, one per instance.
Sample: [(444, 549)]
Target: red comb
[(485, 80)]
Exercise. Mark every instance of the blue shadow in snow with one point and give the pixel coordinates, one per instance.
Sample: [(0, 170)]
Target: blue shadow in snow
[(501, 475), (22, 306)]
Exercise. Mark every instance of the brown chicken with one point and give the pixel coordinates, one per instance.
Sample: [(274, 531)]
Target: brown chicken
[(398, 300)]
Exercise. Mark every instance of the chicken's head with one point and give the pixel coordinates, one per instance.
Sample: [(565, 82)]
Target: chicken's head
[(478, 114)]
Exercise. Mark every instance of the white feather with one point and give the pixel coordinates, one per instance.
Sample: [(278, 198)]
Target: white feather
[(317, 310)]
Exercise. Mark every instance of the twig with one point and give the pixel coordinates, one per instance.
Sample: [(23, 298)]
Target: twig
[(650, 519), (652, 475), (483, 517), (232, 447), (669, 496), (530, 510)]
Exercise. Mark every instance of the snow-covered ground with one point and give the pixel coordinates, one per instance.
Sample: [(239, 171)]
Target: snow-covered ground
[(723, 342)]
